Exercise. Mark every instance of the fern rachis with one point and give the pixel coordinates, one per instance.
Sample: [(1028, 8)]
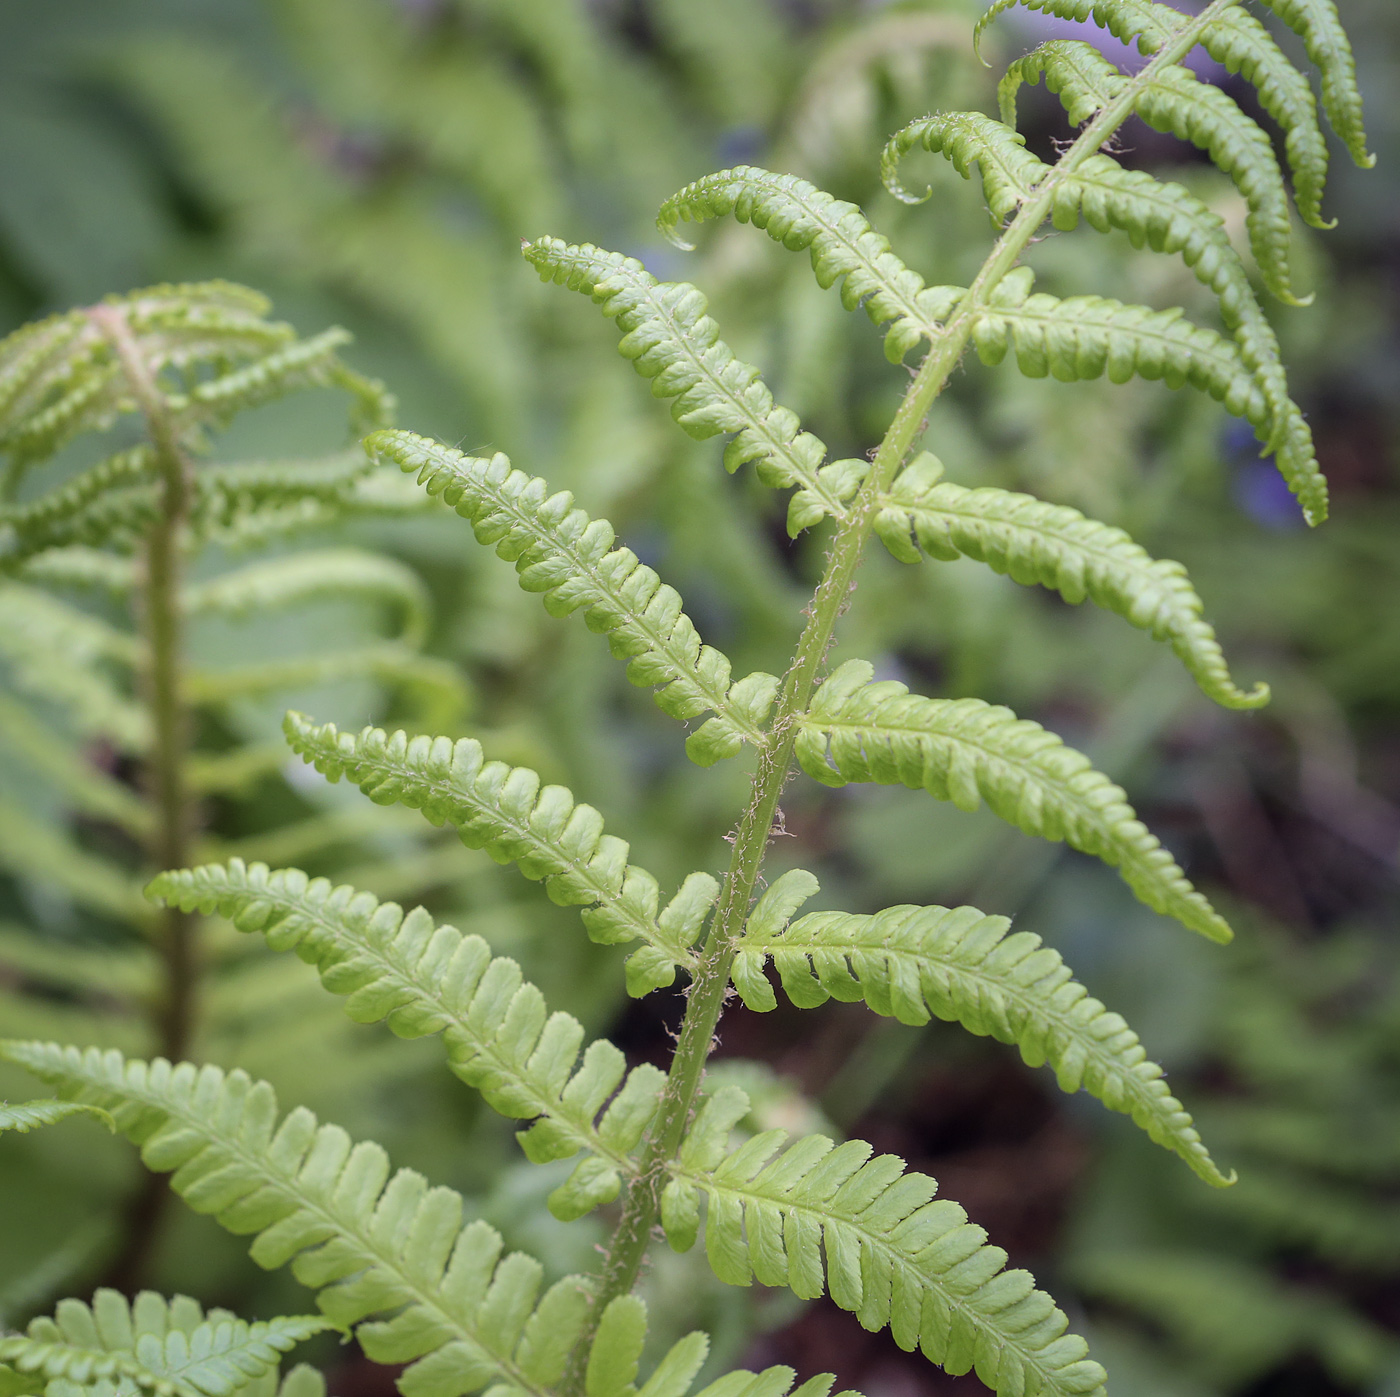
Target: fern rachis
[(387, 1253)]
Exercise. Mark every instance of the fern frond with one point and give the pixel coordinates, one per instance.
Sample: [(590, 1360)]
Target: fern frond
[(1173, 100), (50, 520), (504, 810), (1088, 336), (426, 979), (163, 1347), (1009, 171), (88, 789), (559, 551), (967, 751), (907, 962), (893, 1255), (25, 1116), (80, 970), (388, 662), (1057, 547), (36, 849), (1317, 23), (87, 569), (1238, 41), (306, 364), (1145, 21), (616, 1353), (842, 243), (309, 576), (671, 341), (388, 1254)]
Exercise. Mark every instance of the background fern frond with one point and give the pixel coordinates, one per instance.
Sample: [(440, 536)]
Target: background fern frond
[(1058, 547), (893, 1256), (324, 572), (424, 979), (671, 341), (967, 751), (908, 962), (1319, 26), (504, 810), (163, 1347), (843, 246), (560, 552), (388, 1254)]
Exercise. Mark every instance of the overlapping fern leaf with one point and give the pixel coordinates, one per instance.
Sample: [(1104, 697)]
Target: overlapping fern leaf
[(1035, 542), (542, 830), (422, 979), (822, 1218), (388, 1253), (843, 246), (569, 558), (913, 962), (671, 341), (166, 1347), (967, 751)]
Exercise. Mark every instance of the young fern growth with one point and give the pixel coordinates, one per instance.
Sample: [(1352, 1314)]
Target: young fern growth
[(171, 365), (388, 1253)]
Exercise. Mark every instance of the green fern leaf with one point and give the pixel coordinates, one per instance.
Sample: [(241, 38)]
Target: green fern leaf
[(1237, 40), (1145, 21), (504, 810), (967, 751), (25, 1116), (893, 1256), (1058, 547), (389, 1255), (1087, 336), (559, 551), (1174, 101), (163, 1347), (1009, 171), (1165, 216), (671, 341), (82, 568), (843, 246), (426, 979), (50, 521), (616, 1355), (907, 962), (320, 573), (1317, 23)]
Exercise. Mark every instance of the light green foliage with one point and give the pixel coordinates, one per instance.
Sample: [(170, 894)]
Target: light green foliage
[(843, 245), (159, 1346), (569, 558), (30, 1115), (671, 341), (911, 962), (967, 751), (394, 1259), (506, 811), (422, 978), (893, 1255), (389, 1255), (1035, 542)]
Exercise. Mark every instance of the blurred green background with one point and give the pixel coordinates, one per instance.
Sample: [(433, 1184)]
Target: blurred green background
[(375, 163)]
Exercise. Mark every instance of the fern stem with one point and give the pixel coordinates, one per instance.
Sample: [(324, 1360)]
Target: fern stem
[(709, 989), (171, 841)]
